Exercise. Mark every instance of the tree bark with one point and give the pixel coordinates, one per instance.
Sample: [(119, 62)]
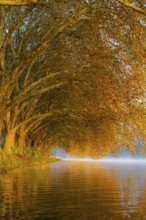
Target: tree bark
[(21, 138), (10, 132), (9, 142)]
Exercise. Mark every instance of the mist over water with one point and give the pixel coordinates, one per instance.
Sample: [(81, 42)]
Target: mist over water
[(123, 157)]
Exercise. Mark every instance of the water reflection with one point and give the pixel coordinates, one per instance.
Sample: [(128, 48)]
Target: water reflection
[(75, 190), (131, 183)]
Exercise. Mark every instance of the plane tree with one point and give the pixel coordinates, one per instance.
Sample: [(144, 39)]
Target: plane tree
[(20, 80), (103, 60), (24, 39), (84, 63)]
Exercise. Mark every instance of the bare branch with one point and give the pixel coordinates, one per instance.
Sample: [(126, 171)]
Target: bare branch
[(13, 29)]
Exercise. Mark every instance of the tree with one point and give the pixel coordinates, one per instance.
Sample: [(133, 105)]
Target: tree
[(73, 60)]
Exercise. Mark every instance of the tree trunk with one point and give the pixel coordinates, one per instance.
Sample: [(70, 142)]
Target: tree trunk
[(34, 144), (21, 138), (1, 122), (9, 142), (2, 70)]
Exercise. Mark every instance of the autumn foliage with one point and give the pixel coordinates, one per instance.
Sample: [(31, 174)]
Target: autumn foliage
[(72, 74)]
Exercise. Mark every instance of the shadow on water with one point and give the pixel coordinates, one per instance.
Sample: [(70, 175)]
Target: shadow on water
[(75, 190)]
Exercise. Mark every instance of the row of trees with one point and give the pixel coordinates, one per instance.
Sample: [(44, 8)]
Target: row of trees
[(72, 74)]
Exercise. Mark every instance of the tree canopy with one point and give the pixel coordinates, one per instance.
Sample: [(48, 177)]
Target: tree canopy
[(72, 74)]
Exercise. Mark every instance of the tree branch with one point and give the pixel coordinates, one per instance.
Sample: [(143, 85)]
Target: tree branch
[(13, 29), (27, 97), (18, 2), (35, 117), (130, 5)]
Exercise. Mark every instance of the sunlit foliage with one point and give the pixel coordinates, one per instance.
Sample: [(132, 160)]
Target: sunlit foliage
[(72, 74)]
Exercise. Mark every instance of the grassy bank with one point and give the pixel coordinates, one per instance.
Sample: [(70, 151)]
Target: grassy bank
[(26, 158)]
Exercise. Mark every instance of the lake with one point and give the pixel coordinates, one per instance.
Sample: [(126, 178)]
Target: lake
[(69, 190)]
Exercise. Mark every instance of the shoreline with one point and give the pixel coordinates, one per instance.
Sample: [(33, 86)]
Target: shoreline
[(11, 163)]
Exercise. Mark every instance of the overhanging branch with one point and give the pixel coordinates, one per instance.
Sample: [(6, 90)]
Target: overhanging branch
[(18, 2), (130, 5)]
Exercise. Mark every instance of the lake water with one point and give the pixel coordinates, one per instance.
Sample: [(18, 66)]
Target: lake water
[(70, 190)]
